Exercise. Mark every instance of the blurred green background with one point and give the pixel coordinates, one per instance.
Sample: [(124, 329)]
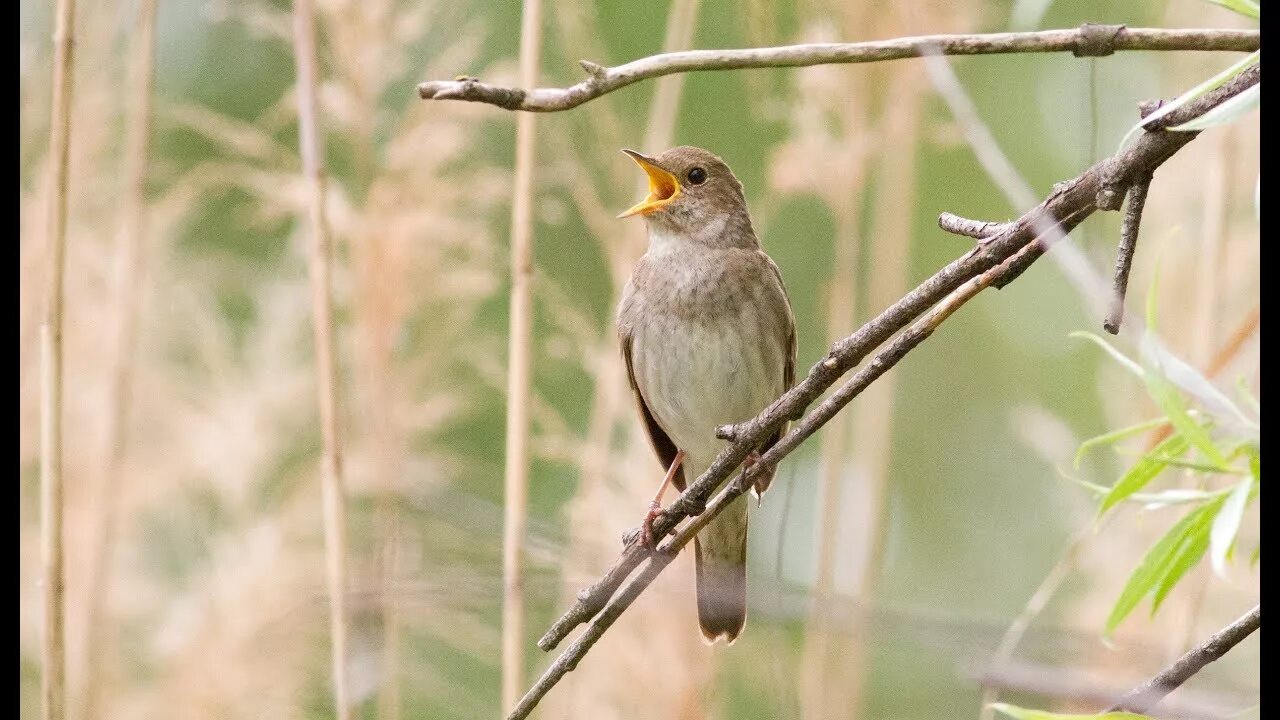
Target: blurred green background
[(954, 501)]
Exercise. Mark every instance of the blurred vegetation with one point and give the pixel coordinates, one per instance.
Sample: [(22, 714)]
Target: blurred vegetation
[(215, 598)]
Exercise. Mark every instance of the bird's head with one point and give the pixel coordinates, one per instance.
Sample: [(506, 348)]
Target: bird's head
[(693, 193)]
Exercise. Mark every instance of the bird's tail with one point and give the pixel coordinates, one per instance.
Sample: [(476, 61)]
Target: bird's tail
[(720, 550)]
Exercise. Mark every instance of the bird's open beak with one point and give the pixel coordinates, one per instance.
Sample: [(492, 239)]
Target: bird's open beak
[(663, 187)]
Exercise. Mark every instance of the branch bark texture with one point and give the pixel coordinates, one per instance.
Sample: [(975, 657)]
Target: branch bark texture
[(997, 261), (1086, 41), (1145, 696)]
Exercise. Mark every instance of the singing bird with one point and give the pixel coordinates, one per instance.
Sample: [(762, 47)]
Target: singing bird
[(708, 338)]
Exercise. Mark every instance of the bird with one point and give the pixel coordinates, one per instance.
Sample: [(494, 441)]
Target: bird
[(708, 337)]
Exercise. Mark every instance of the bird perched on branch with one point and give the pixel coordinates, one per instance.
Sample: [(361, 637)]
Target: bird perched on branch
[(708, 337)]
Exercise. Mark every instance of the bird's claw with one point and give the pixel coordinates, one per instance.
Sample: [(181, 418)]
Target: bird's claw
[(646, 528)]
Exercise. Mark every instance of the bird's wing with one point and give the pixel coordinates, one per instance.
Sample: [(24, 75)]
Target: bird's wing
[(662, 444), (788, 369)]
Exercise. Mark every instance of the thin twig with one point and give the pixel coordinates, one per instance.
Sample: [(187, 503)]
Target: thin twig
[(53, 655), (1011, 252), (1082, 688), (1083, 41), (1147, 695), (519, 362), (335, 510), (128, 275), (976, 229), (1136, 200), (1016, 190)]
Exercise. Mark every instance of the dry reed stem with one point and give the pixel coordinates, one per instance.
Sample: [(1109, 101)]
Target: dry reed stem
[(53, 645), (130, 239), (842, 191), (873, 416), (319, 260), (519, 364)]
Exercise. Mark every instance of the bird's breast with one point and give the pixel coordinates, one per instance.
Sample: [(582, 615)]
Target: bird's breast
[(706, 349)]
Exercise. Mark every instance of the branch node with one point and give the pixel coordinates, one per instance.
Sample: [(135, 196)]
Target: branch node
[(830, 363), (1111, 187), (595, 70), (1097, 40), (629, 537), (727, 432)]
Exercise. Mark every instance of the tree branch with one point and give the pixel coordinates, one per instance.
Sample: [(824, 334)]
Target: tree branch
[(1146, 696), (976, 229), (1086, 41), (1134, 203), (995, 262)]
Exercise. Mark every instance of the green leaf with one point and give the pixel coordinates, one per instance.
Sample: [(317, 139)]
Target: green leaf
[(1195, 384), (1120, 357), (1155, 501), (1229, 111), (1227, 524), (1116, 436), (1198, 91), (1190, 549), (1018, 713), (1201, 467), (1248, 8), (1157, 564), (1144, 471), (1174, 406), (1165, 393)]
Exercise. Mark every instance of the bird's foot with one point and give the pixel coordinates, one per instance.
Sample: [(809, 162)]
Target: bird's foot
[(646, 527)]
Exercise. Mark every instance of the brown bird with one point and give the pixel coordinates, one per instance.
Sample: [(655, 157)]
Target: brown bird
[(708, 337)]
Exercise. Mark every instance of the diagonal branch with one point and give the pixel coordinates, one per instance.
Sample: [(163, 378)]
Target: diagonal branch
[(1147, 695), (997, 261), (1086, 41)]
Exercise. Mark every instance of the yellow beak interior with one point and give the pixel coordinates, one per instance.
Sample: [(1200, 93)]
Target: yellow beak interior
[(663, 187)]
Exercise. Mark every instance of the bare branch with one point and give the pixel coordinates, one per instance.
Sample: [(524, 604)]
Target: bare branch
[(977, 229), (1137, 199), (1087, 689), (1086, 41), (1146, 696), (1005, 256)]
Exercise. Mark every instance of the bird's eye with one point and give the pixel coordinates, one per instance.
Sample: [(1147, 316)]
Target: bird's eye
[(697, 176)]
